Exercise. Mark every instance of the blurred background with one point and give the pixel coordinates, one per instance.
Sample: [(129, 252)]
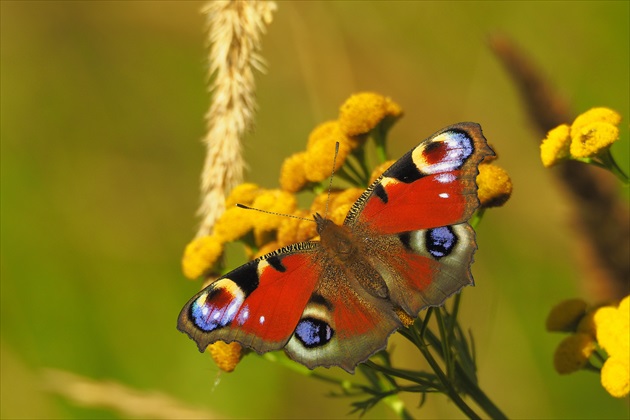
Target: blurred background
[(102, 108)]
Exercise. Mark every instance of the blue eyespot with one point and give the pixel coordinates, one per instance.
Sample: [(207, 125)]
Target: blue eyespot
[(441, 241), (313, 332), (218, 306)]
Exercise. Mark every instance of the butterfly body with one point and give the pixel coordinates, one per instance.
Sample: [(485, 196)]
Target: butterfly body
[(404, 245)]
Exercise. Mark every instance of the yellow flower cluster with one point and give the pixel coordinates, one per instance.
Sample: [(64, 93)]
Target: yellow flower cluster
[(494, 183), (226, 355), (590, 135), (605, 328), (358, 116), (235, 223)]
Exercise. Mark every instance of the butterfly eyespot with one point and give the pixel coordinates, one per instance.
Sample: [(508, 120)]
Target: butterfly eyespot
[(440, 242), (217, 307), (446, 152), (313, 332)]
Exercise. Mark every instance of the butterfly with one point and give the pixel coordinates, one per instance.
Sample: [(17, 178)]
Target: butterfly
[(404, 245)]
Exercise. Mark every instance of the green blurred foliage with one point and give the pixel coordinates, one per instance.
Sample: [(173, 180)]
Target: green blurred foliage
[(102, 108)]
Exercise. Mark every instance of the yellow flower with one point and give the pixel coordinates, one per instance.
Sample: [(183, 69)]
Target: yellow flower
[(364, 111), (289, 227), (319, 202), (590, 134), (348, 196), (556, 146), (495, 185), (566, 315), (275, 201), (613, 335), (243, 194), (573, 353), (225, 355), (233, 224), (338, 214), (600, 114), (307, 230), (593, 139), (200, 255), (612, 329), (320, 151), (404, 317), (293, 174), (616, 376), (594, 131)]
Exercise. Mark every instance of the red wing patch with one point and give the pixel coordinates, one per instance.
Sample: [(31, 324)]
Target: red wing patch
[(433, 200), (272, 311)]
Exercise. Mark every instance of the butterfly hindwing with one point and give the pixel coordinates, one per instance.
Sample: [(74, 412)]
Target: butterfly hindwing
[(424, 267), (343, 324)]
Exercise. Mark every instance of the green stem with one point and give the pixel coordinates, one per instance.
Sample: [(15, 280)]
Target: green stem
[(412, 335), (359, 155), (398, 406), (350, 166), (446, 345), (379, 136), (347, 176), (611, 164), (476, 218), (470, 386)]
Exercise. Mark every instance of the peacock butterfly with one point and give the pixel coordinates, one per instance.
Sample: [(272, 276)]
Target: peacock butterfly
[(404, 245)]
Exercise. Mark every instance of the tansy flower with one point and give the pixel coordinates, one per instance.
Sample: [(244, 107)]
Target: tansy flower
[(555, 146), (293, 173), (346, 197), (320, 151), (276, 201), (404, 317), (233, 224), (200, 255), (318, 205), (613, 335), (363, 112), (243, 194), (615, 374), (566, 315), (590, 135), (495, 185), (594, 115), (307, 230), (225, 355), (606, 326), (611, 324), (573, 352), (338, 214), (288, 228), (593, 139)]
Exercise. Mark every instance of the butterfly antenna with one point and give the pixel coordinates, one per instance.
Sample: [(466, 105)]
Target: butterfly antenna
[(332, 175), (243, 206)]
